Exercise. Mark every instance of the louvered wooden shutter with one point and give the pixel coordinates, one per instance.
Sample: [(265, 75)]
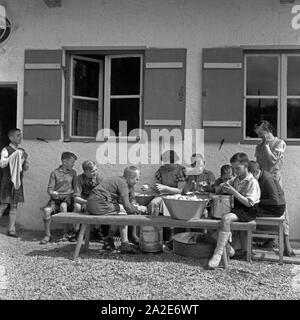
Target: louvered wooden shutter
[(42, 94), (222, 94), (164, 89)]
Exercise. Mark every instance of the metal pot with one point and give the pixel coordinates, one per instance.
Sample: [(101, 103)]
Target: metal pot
[(220, 205)]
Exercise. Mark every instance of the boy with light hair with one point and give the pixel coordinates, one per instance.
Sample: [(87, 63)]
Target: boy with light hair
[(112, 196)]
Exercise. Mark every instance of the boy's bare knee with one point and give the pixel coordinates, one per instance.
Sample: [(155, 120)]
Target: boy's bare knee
[(47, 213), (77, 207), (63, 207), (226, 220)]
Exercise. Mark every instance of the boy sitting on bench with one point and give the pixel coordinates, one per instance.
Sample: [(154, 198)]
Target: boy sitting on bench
[(111, 196), (86, 182), (272, 200), (61, 189), (245, 189)]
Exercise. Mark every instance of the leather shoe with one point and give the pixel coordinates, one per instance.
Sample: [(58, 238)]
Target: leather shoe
[(12, 234), (45, 240), (289, 253)]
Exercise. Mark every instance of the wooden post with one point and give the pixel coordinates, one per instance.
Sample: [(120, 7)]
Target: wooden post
[(79, 241), (281, 244), (87, 237), (249, 245)]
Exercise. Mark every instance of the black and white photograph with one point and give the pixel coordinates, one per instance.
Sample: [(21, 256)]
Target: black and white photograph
[(149, 153)]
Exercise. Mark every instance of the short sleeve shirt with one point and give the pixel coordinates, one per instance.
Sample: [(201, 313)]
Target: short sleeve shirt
[(170, 174), (248, 187), (277, 147)]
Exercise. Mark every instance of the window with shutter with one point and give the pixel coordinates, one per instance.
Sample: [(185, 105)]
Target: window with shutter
[(124, 91), (42, 94), (222, 94)]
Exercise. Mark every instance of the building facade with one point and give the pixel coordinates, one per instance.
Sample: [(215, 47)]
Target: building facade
[(84, 65)]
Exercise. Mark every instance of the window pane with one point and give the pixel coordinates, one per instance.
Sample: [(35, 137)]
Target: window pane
[(86, 78), (124, 110), (125, 76), (293, 118), (85, 118), (262, 75), (257, 110), (293, 76)]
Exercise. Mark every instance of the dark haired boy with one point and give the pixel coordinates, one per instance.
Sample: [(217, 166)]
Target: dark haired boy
[(13, 162), (245, 189), (61, 186), (226, 174)]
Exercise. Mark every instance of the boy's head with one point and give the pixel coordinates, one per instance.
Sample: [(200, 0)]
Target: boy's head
[(226, 172), (197, 161), (254, 168), (90, 168), (68, 159), (239, 163), (15, 136), (263, 129), (132, 175), (169, 156)]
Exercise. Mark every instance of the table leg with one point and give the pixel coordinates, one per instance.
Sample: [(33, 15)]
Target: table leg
[(249, 245), (87, 237), (281, 244), (79, 241)]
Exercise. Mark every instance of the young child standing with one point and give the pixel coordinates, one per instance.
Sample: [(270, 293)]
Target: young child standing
[(13, 162), (245, 189), (61, 186)]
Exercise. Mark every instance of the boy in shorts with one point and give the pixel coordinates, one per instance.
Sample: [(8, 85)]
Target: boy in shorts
[(111, 197), (11, 194), (61, 186), (86, 182), (245, 189)]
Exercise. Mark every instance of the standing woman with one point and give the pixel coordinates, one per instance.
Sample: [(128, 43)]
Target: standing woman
[(269, 154)]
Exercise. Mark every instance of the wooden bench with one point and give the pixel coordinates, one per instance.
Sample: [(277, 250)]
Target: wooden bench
[(273, 234), (139, 220)]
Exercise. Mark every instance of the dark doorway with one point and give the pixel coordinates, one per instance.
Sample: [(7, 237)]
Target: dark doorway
[(8, 113)]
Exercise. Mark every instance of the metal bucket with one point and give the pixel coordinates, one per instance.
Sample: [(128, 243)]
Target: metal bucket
[(151, 239), (186, 209), (194, 244), (221, 204)]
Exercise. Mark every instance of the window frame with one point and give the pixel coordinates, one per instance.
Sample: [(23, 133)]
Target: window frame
[(108, 96), (281, 97), (99, 99), (105, 84)]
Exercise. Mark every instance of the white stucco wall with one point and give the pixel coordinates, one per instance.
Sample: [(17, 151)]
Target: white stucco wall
[(192, 24)]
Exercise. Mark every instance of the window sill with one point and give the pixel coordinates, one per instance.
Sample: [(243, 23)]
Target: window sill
[(104, 139), (257, 141)]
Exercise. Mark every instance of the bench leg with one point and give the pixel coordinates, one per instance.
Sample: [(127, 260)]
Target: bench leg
[(87, 237), (281, 244), (249, 245), (79, 241)]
